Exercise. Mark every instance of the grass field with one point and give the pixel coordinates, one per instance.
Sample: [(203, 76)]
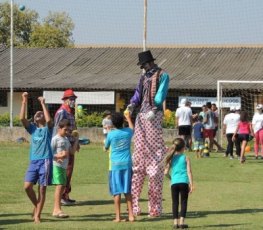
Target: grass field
[(227, 195)]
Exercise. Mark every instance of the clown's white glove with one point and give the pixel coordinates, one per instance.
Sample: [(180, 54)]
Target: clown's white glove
[(150, 116), (130, 107)]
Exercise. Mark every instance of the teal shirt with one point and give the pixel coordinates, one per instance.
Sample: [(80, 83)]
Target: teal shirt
[(162, 90), (40, 147), (178, 169), (119, 142)]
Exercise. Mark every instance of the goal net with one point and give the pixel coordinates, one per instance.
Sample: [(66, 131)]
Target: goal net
[(243, 94)]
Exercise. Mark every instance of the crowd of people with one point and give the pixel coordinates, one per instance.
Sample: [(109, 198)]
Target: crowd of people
[(203, 127), (53, 147), (200, 126)]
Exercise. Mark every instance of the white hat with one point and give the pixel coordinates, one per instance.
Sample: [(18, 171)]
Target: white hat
[(238, 107), (232, 108), (259, 106), (183, 101)]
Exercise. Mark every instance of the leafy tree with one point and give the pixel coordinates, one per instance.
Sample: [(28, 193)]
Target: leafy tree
[(23, 24), (54, 31)]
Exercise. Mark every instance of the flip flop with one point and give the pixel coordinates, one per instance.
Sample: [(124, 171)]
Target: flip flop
[(60, 215)]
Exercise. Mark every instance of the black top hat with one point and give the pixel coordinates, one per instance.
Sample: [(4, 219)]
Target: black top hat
[(145, 57)]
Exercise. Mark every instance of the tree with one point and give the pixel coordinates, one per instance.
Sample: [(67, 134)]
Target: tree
[(23, 24), (54, 31)]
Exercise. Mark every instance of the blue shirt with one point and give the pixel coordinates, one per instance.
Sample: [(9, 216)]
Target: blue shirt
[(178, 170), (40, 147), (119, 141), (198, 134)]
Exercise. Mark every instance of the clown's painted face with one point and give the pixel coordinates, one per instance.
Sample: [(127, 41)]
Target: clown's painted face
[(71, 102)]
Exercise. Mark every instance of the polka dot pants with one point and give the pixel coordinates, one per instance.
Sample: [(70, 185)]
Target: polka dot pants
[(147, 160)]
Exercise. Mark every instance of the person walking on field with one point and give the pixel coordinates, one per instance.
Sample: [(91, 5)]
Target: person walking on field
[(230, 124), (149, 147), (242, 132), (257, 125), (184, 122), (215, 111), (178, 169), (40, 167), (209, 125), (66, 111)]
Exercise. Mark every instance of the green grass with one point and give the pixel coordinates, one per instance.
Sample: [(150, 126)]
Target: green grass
[(227, 195)]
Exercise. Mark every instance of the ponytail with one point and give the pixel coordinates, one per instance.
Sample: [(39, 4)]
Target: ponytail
[(178, 144)]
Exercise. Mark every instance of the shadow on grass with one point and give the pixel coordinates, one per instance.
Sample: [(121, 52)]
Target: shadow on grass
[(14, 221), (220, 226), (100, 202), (94, 217), (200, 214)]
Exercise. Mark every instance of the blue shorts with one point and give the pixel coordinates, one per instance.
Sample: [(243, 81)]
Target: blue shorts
[(120, 181), (39, 171)]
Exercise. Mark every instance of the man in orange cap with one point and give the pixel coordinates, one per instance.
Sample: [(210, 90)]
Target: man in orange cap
[(66, 111)]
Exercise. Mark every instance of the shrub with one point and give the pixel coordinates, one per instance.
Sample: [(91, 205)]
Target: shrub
[(5, 120), (169, 119), (89, 120)]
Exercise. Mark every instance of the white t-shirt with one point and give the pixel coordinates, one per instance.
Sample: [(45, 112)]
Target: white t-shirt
[(59, 144), (231, 121), (257, 121), (184, 114)]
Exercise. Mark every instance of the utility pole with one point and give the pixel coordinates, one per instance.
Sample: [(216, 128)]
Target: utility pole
[(11, 63), (145, 25)]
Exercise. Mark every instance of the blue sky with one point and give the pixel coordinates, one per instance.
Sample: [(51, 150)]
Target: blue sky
[(173, 22)]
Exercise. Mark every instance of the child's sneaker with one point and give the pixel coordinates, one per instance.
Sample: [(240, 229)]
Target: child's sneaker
[(65, 202)]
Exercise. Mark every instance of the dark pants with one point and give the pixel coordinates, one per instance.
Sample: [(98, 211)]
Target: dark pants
[(70, 167), (230, 145), (181, 189)]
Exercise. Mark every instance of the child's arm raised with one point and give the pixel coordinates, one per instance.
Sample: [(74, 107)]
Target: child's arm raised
[(190, 175), (46, 112), (22, 115), (127, 115)]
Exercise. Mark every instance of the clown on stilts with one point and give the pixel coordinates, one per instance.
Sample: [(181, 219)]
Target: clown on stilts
[(149, 147)]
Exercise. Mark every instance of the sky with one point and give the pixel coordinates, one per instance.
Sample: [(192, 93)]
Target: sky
[(172, 22)]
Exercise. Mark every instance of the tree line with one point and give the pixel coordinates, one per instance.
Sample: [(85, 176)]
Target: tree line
[(54, 31)]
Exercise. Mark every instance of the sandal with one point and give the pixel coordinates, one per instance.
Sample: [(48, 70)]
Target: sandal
[(60, 215)]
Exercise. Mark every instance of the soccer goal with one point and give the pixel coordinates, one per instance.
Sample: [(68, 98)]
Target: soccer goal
[(245, 94)]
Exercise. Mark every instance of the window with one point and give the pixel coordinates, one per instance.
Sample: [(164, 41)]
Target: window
[(3, 99)]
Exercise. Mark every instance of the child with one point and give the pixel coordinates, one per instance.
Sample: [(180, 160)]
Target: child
[(244, 129), (61, 149), (106, 122), (178, 168), (40, 166), (198, 129), (120, 171)]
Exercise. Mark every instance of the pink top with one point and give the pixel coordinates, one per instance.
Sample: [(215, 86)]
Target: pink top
[(244, 127)]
